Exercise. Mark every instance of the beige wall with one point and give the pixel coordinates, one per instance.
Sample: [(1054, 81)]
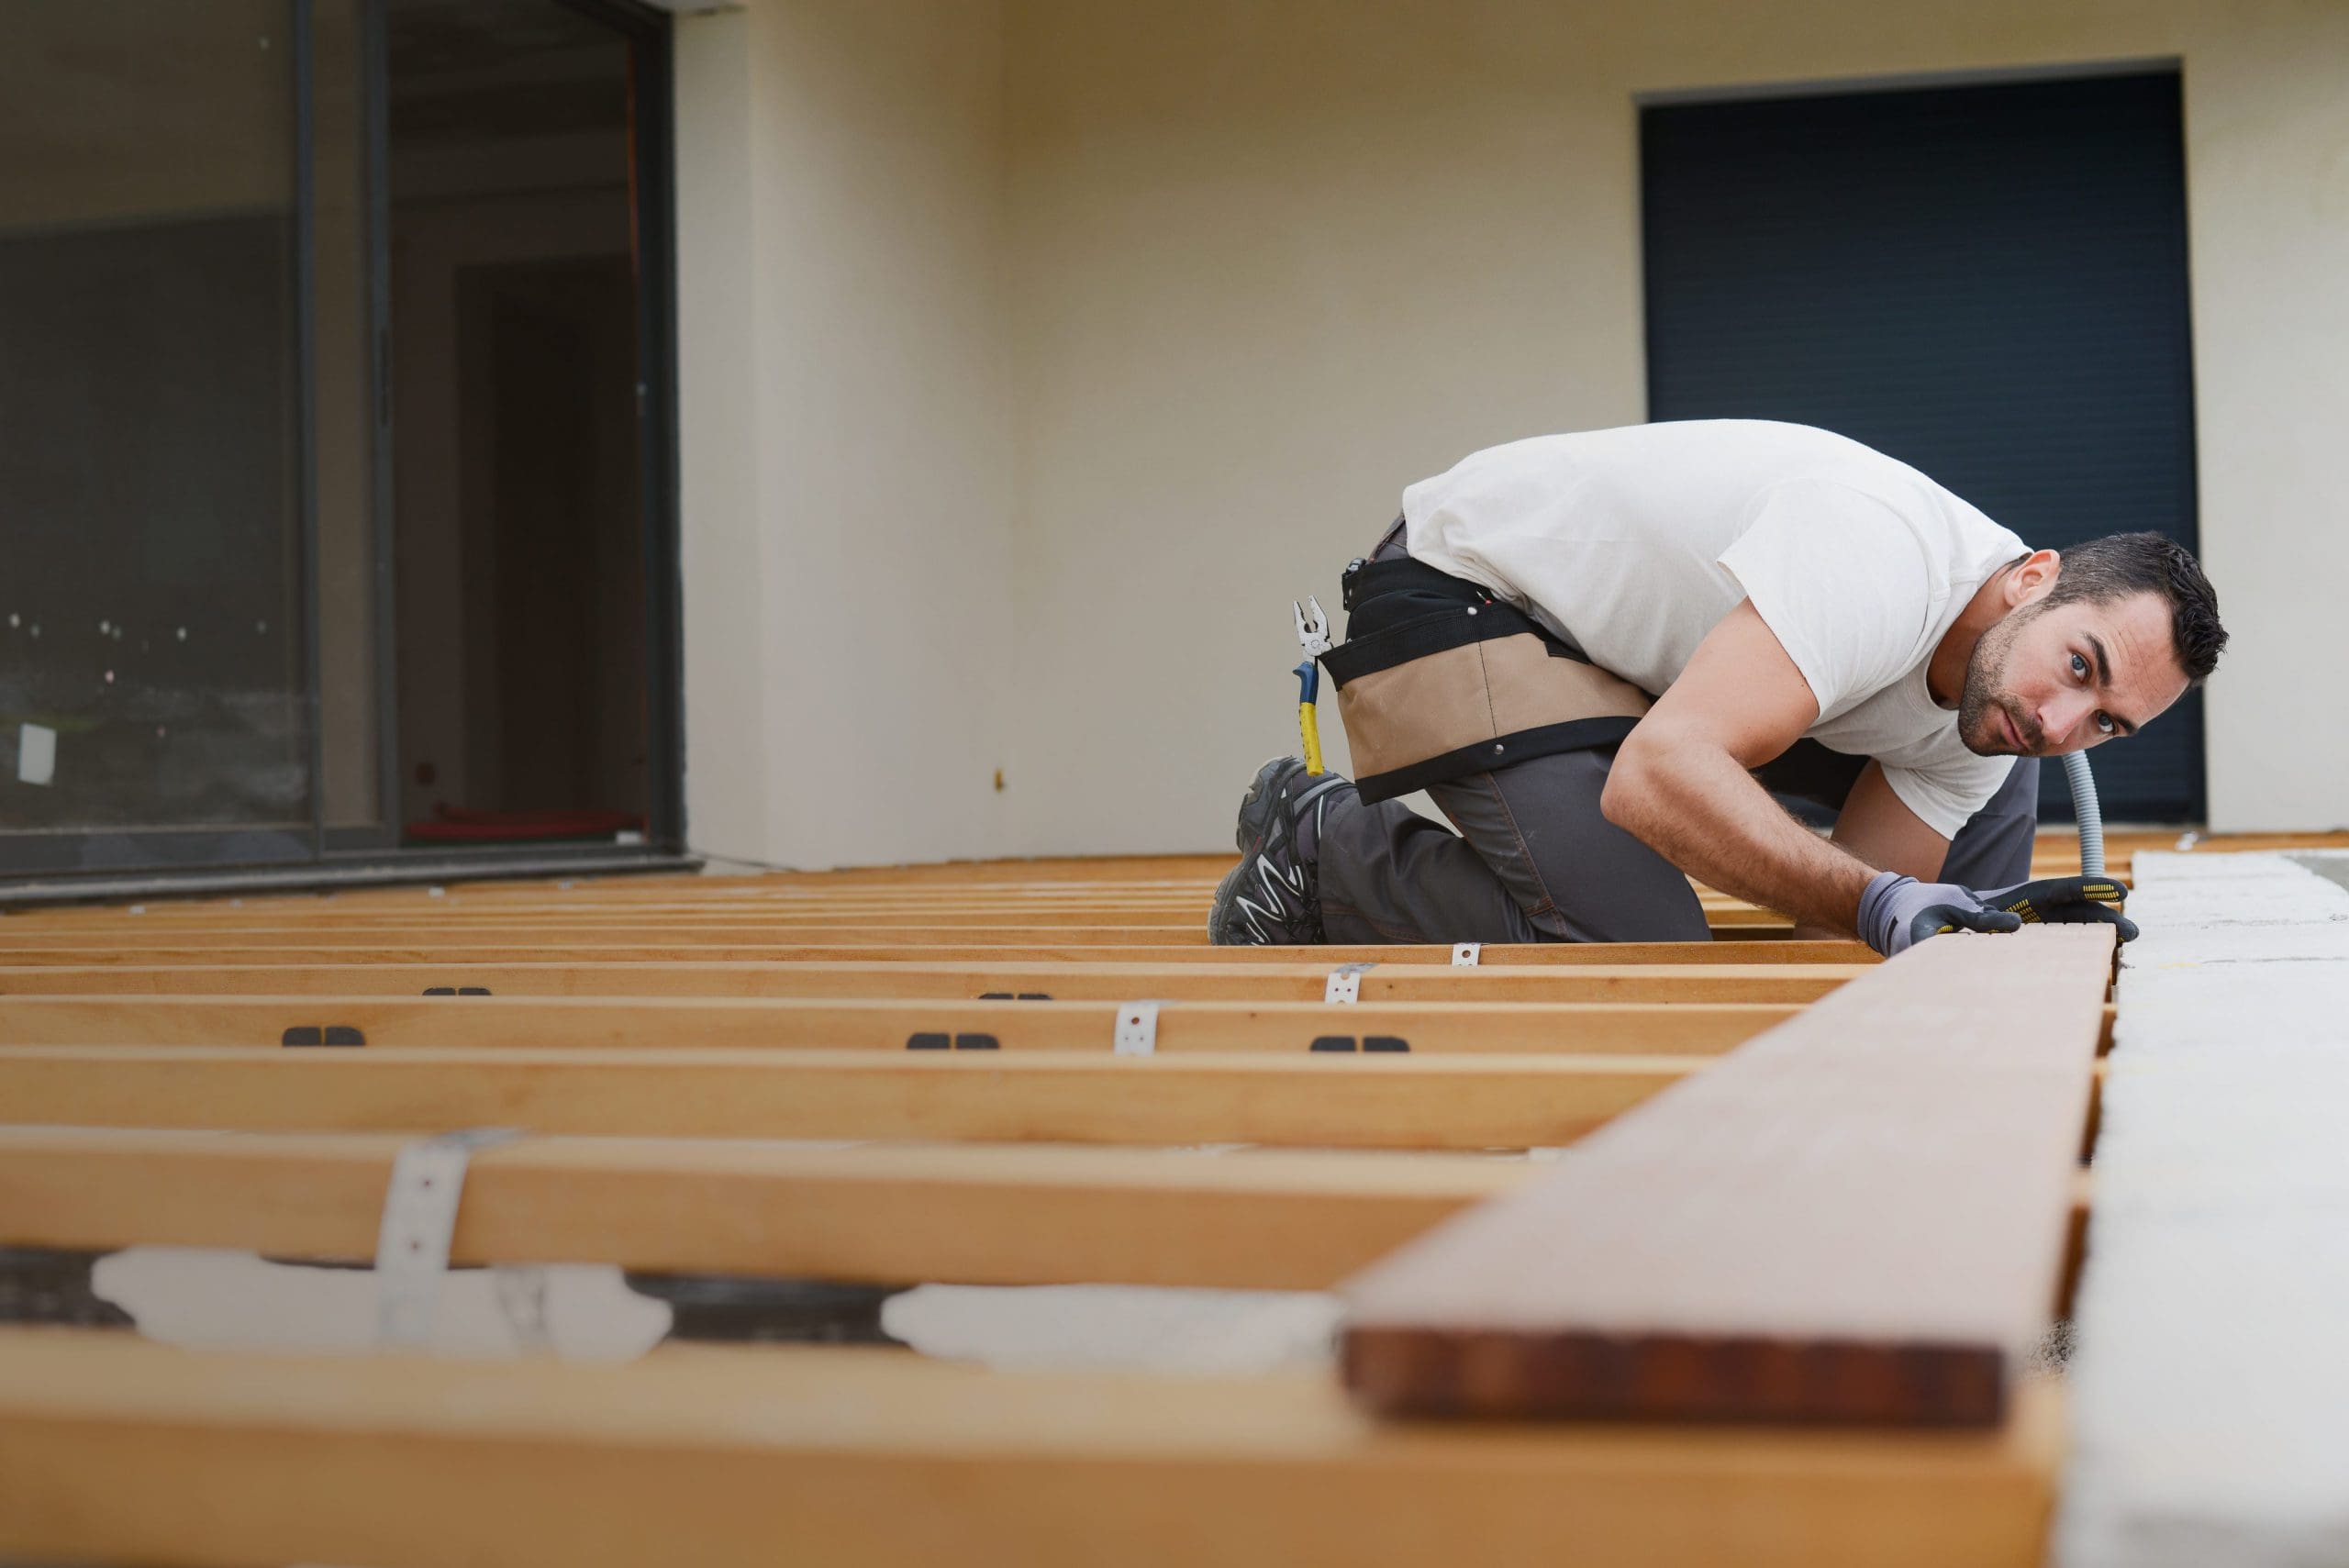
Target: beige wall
[(848, 507), (2268, 142), (723, 548), (1265, 263)]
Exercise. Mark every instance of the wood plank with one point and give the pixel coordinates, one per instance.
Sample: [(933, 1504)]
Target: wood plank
[(477, 904), (2056, 854), (1367, 1102), (885, 1213), (454, 934), (790, 1023), (1185, 913), (736, 925), (589, 893), (753, 892), (977, 1214), (710, 893), (309, 948), (1859, 1216), (967, 980), (115, 1449), (1155, 909), (1191, 935)]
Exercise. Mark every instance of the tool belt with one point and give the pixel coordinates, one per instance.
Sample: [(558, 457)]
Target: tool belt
[(1438, 678)]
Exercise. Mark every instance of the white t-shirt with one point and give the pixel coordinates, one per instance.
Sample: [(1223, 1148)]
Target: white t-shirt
[(1633, 543)]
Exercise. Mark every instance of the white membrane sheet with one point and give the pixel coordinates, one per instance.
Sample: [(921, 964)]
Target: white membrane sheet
[(2210, 1389)]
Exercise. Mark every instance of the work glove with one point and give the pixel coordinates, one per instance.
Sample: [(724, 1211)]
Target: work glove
[(2065, 901), (1897, 911)]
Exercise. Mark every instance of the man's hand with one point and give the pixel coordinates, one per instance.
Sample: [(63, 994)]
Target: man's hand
[(2065, 901), (1898, 911)]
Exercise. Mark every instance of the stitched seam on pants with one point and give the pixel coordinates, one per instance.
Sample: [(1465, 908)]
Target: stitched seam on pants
[(1549, 904)]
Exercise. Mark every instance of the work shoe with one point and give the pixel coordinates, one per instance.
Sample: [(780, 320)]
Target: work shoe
[(1272, 897)]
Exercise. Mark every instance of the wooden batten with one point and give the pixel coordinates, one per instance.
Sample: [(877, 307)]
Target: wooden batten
[(977, 1214), (311, 949), (961, 979), (1526, 1100), (117, 1451), (882, 1213), (380, 1023), (817, 1076)]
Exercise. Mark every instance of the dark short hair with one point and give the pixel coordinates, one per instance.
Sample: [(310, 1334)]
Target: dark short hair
[(2120, 565)]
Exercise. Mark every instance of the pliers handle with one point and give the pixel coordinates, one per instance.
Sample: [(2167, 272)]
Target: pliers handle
[(1313, 636)]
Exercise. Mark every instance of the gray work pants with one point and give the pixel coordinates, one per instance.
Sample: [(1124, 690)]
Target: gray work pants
[(1535, 861)]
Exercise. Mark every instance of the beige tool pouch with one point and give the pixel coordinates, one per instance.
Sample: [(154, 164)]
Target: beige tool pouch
[(1464, 688)]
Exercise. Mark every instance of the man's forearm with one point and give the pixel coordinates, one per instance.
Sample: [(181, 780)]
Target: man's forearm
[(1695, 805)]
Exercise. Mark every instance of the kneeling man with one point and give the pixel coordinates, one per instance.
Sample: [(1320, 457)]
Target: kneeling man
[(1600, 653)]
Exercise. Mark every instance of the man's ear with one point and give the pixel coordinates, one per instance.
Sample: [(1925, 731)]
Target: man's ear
[(2033, 578)]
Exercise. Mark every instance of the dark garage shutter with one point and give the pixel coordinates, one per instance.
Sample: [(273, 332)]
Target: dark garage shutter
[(1988, 282)]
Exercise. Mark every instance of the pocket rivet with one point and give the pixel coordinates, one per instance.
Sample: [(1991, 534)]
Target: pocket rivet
[(1471, 609)]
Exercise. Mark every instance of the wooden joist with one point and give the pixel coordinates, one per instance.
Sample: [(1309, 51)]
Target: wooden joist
[(1859, 1216), (1188, 915), (788, 1023), (730, 935), (229, 933), (1381, 1101), (112, 1449), (882, 1213), (655, 1038), (977, 1214), (784, 923), (875, 980), (715, 900), (309, 948)]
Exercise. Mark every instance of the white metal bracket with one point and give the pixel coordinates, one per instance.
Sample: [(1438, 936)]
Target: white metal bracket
[(419, 1221), (1344, 983), (1464, 955), (1137, 1030)]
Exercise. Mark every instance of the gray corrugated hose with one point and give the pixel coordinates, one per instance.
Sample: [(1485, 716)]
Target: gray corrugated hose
[(2084, 808)]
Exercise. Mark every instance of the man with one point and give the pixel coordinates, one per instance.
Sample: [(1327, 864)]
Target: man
[(1601, 652)]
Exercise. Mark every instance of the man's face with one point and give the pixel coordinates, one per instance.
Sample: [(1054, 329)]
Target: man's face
[(2045, 681)]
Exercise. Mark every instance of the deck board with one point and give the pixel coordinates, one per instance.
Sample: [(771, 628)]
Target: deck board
[(1858, 1216)]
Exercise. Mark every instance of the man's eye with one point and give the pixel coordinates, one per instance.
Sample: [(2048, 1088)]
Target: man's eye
[(2080, 666), (2104, 724)]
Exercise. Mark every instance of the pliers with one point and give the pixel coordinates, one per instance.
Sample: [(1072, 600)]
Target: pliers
[(1313, 636)]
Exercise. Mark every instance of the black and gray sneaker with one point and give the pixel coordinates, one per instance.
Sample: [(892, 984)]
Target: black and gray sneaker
[(1272, 897)]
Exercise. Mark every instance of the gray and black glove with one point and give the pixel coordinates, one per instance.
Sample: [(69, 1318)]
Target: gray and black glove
[(1896, 911), (2065, 901)]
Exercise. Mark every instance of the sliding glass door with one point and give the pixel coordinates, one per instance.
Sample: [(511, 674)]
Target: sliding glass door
[(153, 693), (209, 209)]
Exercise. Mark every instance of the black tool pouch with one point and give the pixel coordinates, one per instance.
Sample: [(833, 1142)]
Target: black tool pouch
[(1438, 678)]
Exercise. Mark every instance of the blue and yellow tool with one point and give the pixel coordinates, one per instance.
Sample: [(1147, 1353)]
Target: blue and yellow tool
[(1313, 636)]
